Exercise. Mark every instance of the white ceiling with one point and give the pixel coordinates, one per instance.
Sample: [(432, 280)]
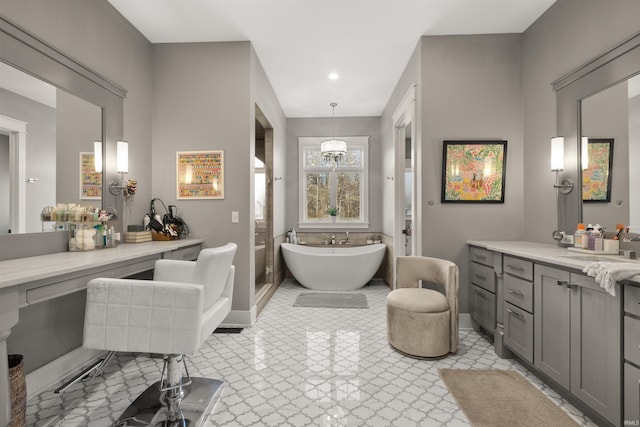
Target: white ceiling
[(300, 42)]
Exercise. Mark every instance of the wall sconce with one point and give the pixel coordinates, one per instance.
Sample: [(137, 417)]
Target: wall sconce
[(97, 156), (122, 167), (584, 147), (557, 164)]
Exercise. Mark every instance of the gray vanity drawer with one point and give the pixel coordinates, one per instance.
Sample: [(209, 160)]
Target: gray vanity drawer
[(632, 340), (518, 267), (632, 299), (518, 331), (483, 276), (518, 292), (482, 256), (631, 395), (483, 308)]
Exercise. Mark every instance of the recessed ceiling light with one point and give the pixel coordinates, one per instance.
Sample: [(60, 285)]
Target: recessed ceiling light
[(333, 76)]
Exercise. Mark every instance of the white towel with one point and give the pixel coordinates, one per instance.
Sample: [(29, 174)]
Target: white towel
[(608, 273)]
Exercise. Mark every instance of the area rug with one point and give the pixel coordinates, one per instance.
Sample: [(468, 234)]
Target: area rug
[(490, 397), (331, 300)]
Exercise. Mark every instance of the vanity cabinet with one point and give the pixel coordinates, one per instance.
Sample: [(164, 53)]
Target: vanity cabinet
[(518, 306), (631, 338), (483, 289), (577, 338)]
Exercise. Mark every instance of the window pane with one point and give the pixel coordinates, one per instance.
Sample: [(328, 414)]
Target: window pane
[(312, 158), (353, 159), (348, 192), (317, 195)]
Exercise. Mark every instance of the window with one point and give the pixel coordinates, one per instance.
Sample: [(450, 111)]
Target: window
[(325, 185)]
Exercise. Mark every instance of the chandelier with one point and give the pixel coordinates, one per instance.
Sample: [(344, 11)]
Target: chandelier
[(333, 149)]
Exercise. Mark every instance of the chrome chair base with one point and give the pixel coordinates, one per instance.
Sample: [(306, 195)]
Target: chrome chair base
[(198, 400)]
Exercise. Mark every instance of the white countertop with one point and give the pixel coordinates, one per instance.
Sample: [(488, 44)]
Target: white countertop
[(23, 270), (549, 254)]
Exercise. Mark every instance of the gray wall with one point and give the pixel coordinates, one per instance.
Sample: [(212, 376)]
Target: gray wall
[(79, 124), (205, 99), (343, 127), (4, 177), (569, 34)]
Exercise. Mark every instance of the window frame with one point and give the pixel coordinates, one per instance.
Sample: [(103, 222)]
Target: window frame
[(307, 143)]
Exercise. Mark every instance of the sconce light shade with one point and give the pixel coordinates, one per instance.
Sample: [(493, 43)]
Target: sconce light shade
[(557, 153), (584, 147), (122, 157), (97, 156)]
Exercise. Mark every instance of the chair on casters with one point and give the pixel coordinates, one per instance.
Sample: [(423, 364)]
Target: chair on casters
[(423, 323), (173, 314)]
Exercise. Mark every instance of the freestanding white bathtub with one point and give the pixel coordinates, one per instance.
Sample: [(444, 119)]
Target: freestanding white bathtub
[(333, 268)]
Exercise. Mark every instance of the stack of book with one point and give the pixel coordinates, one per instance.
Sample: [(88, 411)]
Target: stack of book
[(137, 236)]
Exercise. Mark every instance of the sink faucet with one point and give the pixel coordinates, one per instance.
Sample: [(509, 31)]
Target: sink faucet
[(347, 239)]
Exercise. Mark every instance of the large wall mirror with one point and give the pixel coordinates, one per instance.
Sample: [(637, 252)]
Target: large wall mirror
[(612, 115), (599, 102), (52, 110), (57, 146)]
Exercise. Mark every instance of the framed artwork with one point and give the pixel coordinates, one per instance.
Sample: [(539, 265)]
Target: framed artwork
[(596, 177), (473, 171), (90, 180), (200, 175)]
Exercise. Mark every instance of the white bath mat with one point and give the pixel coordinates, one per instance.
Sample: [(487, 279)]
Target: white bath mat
[(331, 300)]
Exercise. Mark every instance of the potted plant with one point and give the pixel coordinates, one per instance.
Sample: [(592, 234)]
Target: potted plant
[(333, 212)]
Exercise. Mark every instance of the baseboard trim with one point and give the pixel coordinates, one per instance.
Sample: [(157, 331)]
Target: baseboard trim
[(240, 318), (47, 377), (464, 321)]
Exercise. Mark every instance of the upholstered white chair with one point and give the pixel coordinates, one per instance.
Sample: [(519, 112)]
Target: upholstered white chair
[(423, 322), (173, 314)]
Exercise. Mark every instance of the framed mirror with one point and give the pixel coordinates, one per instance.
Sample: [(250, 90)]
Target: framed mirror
[(599, 100), (44, 129), (83, 107)]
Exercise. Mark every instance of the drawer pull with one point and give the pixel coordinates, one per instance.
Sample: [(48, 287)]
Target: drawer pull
[(518, 315), (477, 276), (561, 282), (516, 293), (481, 257), (515, 267), (480, 294)]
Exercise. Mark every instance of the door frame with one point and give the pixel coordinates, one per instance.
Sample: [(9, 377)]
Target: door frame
[(404, 115)]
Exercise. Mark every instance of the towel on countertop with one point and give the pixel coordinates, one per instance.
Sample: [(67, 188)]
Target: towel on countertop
[(608, 273)]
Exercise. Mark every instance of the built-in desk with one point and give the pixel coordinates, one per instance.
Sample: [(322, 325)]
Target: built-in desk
[(31, 280)]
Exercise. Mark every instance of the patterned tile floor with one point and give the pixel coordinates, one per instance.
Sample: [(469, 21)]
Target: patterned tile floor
[(297, 367)]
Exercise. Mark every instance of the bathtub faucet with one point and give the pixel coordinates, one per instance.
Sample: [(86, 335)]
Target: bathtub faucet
[(346, 240), (333, 239)]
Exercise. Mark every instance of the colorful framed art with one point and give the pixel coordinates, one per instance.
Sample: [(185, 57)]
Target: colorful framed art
[(200, 175), (596, 177), (90, 180), (473, 171)]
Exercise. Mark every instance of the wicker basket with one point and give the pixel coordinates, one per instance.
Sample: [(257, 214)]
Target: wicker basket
[(162, 237), (17, 391)]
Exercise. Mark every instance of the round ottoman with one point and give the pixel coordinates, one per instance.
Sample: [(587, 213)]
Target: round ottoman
[(418, 322)]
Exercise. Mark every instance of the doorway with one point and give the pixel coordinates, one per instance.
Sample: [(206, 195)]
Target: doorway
[(407, 212), (263, 211)]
